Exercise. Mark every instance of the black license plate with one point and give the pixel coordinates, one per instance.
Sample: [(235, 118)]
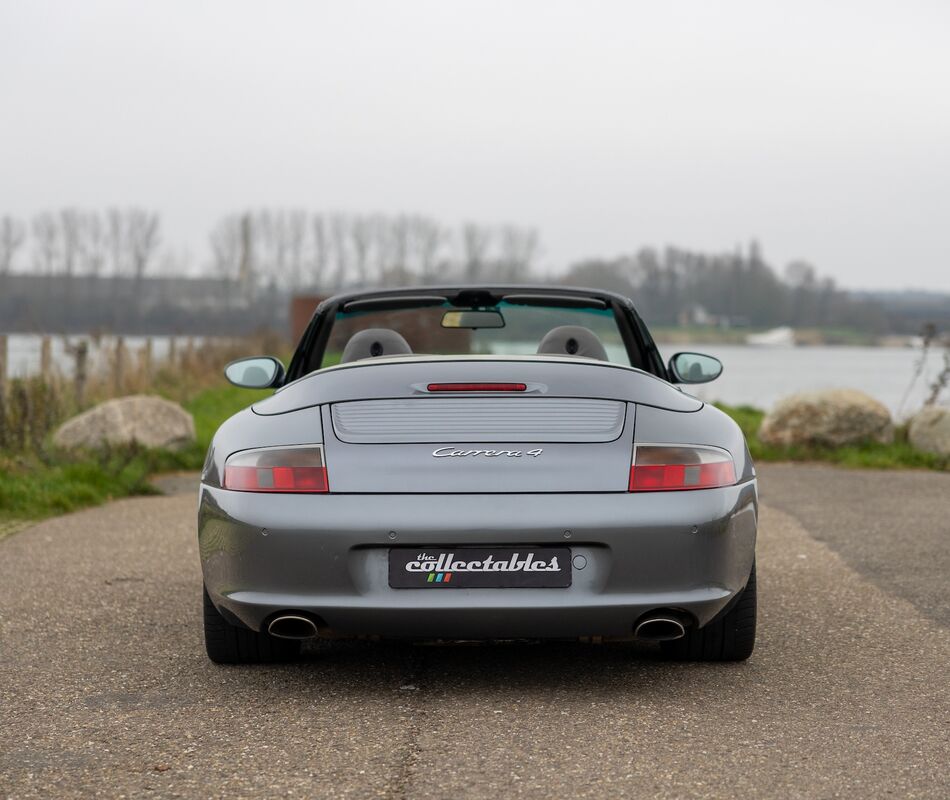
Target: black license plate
[(479, 567)]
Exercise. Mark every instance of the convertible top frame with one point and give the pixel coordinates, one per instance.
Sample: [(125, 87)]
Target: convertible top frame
[(641, 348)]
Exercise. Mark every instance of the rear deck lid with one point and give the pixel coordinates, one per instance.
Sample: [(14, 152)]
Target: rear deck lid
[(479, 445), (478, 419)]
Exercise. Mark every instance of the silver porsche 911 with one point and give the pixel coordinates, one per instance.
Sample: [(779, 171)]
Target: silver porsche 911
[(478, 462)]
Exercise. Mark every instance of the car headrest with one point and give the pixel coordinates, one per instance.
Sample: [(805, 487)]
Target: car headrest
[(572, 340), (374, 342)]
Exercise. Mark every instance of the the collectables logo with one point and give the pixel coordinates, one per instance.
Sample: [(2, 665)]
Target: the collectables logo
[(452, 452), (441, 568)]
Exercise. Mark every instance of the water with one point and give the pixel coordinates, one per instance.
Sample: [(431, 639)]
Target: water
[(757, 376), (23, 351)]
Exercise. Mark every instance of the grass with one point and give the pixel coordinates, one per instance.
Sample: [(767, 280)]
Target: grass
[(33, 487), (897, 455)]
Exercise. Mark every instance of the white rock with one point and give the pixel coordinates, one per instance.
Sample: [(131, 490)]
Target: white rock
[(829, 418), (145, 419), (930, 430)]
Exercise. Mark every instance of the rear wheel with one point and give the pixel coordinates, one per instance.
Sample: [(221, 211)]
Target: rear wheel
[(229, 644), (729, 637)]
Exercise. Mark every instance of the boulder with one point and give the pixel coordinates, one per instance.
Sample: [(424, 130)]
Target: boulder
[(827, 418), (929, 430), (144, 419)]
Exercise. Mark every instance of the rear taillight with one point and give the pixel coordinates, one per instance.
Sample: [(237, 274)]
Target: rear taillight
[(675, 467), (277, 469), (477, 387)]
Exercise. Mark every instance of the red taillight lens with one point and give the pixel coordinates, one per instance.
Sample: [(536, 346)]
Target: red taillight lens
[(277, 469), (671, 467), (477, 387)]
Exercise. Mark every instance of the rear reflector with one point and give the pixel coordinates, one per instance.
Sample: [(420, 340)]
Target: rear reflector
[(477, 387), (277, 469), (673, 467)]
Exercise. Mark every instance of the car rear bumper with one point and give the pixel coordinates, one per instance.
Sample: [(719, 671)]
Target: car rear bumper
[(327, 555)]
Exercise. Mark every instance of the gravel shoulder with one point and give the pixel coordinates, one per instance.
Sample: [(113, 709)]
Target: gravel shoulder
[(106, 690)]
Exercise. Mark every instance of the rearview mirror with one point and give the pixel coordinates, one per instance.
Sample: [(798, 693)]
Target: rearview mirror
[(473, 319), (257, 372), (694, 368)]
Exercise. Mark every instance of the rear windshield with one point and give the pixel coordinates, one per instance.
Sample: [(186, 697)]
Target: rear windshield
[(525, 328)]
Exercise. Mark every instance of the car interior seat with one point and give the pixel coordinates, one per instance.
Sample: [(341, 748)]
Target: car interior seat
[(374, 342), (572, 340)]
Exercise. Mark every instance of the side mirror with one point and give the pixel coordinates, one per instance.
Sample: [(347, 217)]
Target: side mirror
[(257, 372), (694, 368)]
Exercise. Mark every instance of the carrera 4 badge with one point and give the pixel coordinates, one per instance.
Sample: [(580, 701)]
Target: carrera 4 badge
[(451, 452)]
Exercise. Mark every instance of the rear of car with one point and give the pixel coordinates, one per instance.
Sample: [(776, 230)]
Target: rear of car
[(479, 497)]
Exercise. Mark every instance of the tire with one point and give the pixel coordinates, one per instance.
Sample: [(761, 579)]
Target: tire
[(729, 637), (228, 644)]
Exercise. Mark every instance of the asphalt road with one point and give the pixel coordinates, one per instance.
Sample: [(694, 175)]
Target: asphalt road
[(105, 690)]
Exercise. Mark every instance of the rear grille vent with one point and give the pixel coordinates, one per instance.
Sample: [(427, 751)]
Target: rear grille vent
[(478, 419)]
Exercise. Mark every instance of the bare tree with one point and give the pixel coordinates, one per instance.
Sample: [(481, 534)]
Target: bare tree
[(427, 238), (401, 246), (226, 252), (383, 236), (93, 243), (362, 230), (117, 243), (12, 236), (46, 248), (338, 226), (519, 248), (247, 254), (70, 221), (274, 240), (144, 237), (476, 241), (296, 242), (318, 265)]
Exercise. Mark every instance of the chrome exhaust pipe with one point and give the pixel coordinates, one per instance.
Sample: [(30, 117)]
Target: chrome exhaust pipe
[(292, 626), (660, 629)]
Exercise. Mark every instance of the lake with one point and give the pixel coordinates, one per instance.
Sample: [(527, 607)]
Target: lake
[(759, 376), (23, 351), (756, 376)]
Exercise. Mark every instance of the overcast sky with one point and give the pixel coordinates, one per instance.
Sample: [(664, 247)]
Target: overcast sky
[(820, 128)]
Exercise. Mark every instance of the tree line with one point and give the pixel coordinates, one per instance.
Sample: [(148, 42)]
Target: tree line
[(293, 249), (738, 288), (116, 264)]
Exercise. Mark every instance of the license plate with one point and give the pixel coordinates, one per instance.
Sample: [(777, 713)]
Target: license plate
[(480, 567)]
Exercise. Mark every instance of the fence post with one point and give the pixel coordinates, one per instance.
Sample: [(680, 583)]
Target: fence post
[(172, 351), (79, 376), (147, 360), (119, 375), (21, 400), (46, 359), (3, 390)]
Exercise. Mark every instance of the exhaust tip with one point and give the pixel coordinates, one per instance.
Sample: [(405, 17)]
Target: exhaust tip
[(292, 626), (660, 629)]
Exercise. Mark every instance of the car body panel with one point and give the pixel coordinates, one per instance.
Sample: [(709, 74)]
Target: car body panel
[(327, 556)]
